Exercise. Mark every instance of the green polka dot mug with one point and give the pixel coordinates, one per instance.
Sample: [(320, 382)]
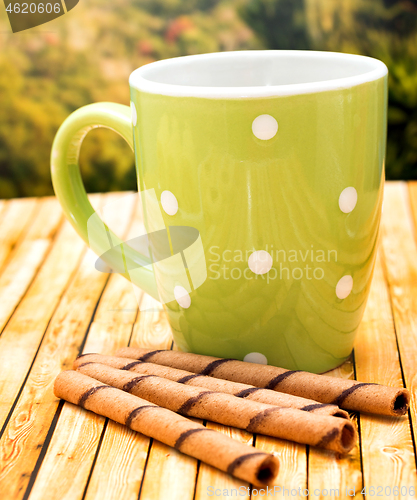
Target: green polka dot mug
[(261, 175)]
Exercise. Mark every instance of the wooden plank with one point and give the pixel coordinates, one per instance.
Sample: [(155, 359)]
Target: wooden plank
[(3, 208), (118, 305), (71, 460), (118, 472), (48, 218), (400, 259), (152, 330), (329, 472), (385, 442), (18, 275), (23, 334), (14, 220), (27, 429), (74, 443), (120, 463), (293, 464), (110, 330), (169, 474), (211, 479), (412, 196), (65, 464), (15, 216), (26, 259)]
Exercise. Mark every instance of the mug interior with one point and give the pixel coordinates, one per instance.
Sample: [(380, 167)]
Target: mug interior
[(256, 70)]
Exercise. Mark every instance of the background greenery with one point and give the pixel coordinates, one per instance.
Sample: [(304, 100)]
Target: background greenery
[(87, 55)]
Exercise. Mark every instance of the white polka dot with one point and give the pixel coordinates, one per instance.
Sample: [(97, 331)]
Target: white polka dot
[(169, 203), (344, 286), (260, 262), (256, 357), (182, 296), (348, 199), (134, 114), (264, 127)]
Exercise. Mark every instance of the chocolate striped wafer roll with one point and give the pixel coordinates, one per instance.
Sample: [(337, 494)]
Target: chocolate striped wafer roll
[(286, 423), (189, 437), (348, 394), (214, 384)]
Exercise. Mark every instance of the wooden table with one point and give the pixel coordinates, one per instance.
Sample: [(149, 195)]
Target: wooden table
[(54, 304)]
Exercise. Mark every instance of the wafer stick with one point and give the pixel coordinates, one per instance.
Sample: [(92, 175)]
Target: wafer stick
[(287, 423), (349, 394), (248, 392), (189, 437)]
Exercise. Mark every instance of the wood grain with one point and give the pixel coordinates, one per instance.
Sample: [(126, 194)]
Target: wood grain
[(25, 261), (387, 446), (110, 461), (211, 479), (152, 329), (169, 474), (70, 455), (103, 337), (26, 430), (48, 314), (46, 219), (3, 205), (110, 330), (293, 463), (24, 332), (116, 312), (106, 334), (120, 464), (15, 219), (329, 471), (18, 275), (400, 259)]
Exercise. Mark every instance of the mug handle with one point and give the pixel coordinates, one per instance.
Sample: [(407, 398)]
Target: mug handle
[(70, 191)]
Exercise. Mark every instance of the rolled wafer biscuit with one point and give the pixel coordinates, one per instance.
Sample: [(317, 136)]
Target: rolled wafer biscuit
[(286, 423), (189, 437), (248, 392), (348, 394)]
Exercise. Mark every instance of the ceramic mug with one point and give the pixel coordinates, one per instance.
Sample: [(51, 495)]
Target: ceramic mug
[(262, 174)]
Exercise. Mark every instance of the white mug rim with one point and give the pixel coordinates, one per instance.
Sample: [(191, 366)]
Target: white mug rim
[(140, 78)]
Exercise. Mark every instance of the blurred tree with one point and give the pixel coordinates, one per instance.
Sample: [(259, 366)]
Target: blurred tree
[(171, 8), (86, 56), (280, 24)]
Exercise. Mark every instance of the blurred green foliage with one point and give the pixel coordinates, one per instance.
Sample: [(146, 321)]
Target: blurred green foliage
[(280, 24), (87, 55)]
